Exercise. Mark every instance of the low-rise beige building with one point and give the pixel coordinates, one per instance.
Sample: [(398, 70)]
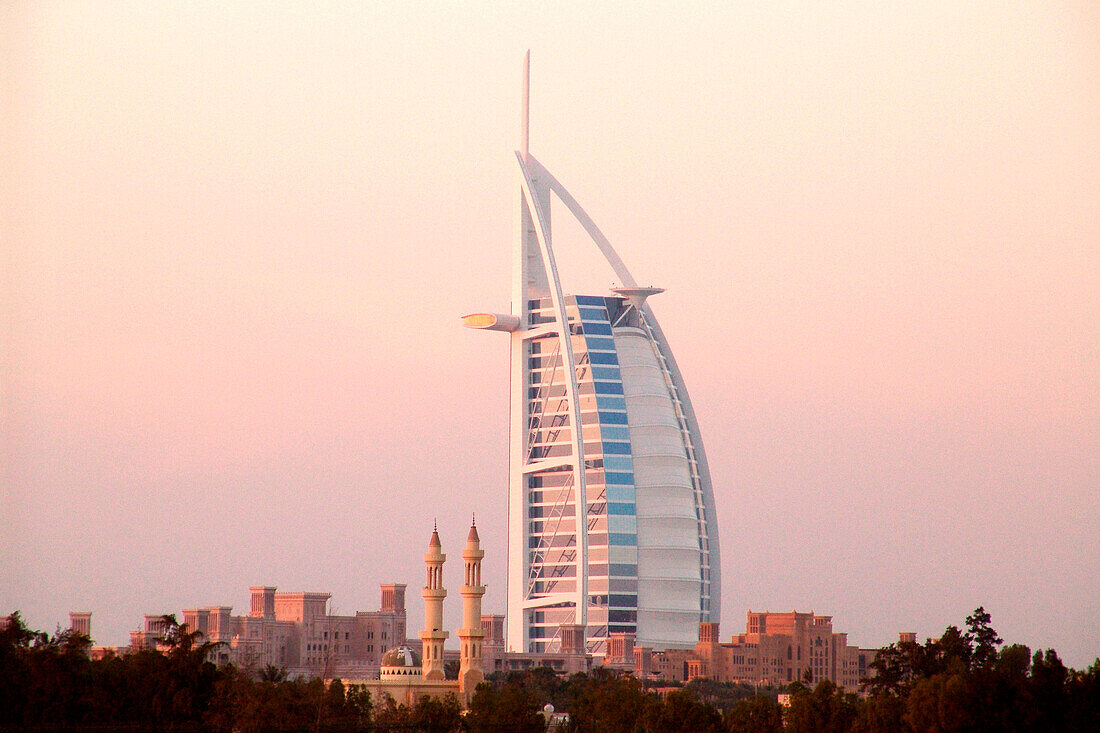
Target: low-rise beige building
[(292, 631), (776, 649)]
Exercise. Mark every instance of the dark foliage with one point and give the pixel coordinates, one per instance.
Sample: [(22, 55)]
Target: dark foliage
[(428, 715), (757, 714), (510, 708), (964, 682), (825, 709), (726, 695)]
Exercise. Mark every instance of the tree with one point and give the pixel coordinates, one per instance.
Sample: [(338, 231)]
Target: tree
[(388, 715), (895, 666), (827, 709), (427, 715), (511, 709), (882, 712), (1005, 690), (953, 653), (542, 683), (359, 704), (724, 695), (680, 711), (434, 715), (940, 703), (15, 635), (605, 702), (43, 679), (982, 638), (1083, 699), (273, 674), (188, 676), (757, 714), (1048, 690)]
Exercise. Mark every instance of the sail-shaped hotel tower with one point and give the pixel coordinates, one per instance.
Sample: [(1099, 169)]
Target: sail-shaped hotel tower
[(611, 518)]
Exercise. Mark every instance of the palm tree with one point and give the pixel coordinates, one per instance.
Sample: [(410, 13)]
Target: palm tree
[(184, 645), (190, 674), (273, 674)]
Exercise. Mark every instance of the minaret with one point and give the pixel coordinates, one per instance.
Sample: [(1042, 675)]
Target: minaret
[(433, 634), (471, 635)]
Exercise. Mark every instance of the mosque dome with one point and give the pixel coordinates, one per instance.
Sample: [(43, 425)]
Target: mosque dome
[(400, 661)]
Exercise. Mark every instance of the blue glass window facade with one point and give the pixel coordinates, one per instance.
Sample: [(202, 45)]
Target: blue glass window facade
[(609, 477)]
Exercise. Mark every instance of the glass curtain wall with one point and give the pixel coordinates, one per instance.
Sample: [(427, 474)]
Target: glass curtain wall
[(609, 476)]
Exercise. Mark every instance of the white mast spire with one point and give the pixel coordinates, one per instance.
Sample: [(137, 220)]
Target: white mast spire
[(525, 119)]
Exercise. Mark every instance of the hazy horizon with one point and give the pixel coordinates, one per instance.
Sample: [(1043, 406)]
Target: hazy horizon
[(236, 242)]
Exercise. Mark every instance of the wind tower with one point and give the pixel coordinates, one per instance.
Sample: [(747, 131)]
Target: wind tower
[(433, 634), (470, 672), (612, 526)]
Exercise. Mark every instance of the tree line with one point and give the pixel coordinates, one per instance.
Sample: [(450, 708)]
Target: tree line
[(965, 681)]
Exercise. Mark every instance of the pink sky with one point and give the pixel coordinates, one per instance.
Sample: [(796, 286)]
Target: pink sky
[(236, 242)]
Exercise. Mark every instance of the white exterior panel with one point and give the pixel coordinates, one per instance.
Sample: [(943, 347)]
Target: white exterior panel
[(668, 527)]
